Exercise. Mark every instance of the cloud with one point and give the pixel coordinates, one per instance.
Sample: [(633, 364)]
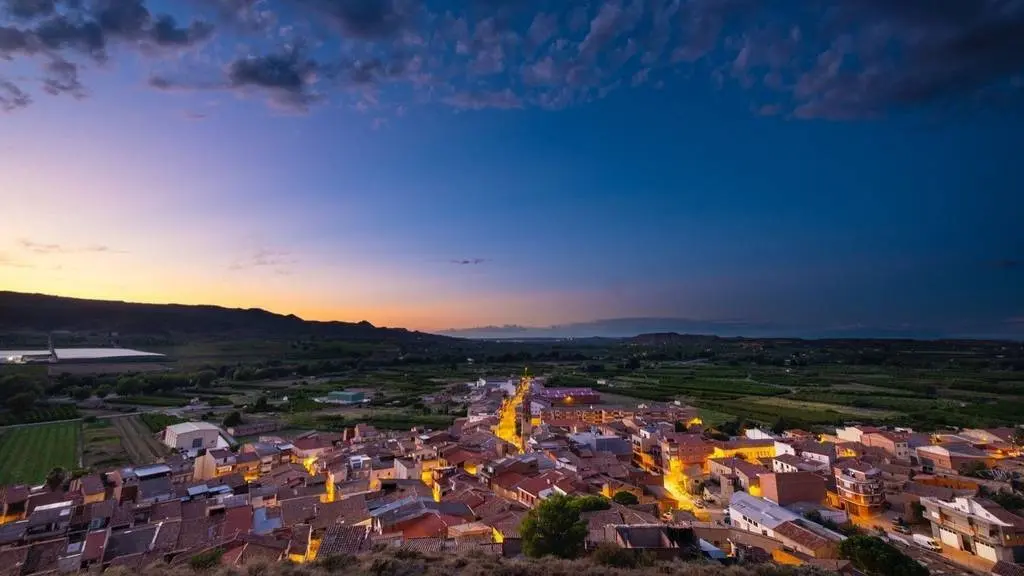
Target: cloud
[(279, 260), (49, 248), (503, 100), (833, 59), (12, 97), (469, 261), (6, 261)]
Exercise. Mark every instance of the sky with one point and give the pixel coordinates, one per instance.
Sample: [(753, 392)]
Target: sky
[(449, 164)]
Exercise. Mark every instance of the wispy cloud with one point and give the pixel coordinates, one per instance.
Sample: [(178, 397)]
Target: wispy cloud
[(468, 261), (281, 261), (7, 261), (50, 248)]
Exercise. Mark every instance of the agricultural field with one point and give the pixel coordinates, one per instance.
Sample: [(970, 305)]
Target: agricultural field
[(102, 447), (140, 444), (28, 453), (830, 394)]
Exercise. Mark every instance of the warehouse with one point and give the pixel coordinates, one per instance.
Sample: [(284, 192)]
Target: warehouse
[(193, 435)]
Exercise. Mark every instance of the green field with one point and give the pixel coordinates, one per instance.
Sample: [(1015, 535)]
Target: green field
[(28, 454)]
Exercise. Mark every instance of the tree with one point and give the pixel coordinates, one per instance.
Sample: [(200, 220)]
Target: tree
[(55, 478), (103, 390), (975, 469), (780, 426), (554, 528), (232, 420), (21, 402), (81, 393), (877, 557), (591, 503), (625, 498)]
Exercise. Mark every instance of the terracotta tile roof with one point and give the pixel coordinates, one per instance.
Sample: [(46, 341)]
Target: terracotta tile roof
[(166, 510), (341, 539), (42, 556), (238, 521), (13, 494), (449, 546), (95, 542), (91, 484), (801, 535), (12, 560), (167, 537), (429, 526), (198, 532), (299, 510), (1003, 568)]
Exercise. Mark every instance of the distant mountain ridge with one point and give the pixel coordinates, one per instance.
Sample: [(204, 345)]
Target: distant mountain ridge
[(44, 313), (633, 327)]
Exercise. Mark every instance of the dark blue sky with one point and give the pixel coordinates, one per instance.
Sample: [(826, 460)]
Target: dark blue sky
[(451, 164)]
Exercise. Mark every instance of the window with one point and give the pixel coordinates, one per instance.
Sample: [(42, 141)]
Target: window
[(197, 443)]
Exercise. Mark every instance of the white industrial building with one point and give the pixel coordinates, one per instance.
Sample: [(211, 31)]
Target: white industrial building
[(193, 436)]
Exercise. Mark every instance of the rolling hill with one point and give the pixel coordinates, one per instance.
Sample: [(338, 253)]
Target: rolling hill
[(21, 312)]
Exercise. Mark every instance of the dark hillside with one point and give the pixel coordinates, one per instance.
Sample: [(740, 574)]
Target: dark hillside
[(42, 313)]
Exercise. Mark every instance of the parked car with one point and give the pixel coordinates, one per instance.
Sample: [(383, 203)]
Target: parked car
[(901, 528)]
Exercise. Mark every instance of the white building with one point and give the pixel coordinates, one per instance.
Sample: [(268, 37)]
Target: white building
[(192, 436), (766, 518)]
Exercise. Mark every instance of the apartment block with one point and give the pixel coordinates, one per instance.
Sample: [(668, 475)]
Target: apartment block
[(859, 486), (980, 527)]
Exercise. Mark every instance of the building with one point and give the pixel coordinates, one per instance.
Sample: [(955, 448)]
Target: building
[(980, 527), (854, 433), (567, 396), (745, 448), (343, 397), (950, 458), (759, 516), (792, 487), (892, 443), (192, 436), (859, 486)]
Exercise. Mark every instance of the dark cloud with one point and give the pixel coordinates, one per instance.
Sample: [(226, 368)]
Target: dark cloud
[(11, 97), (288, 76), (837, 59), (62, 78), (365, 19), (29, 9), (469, 261)]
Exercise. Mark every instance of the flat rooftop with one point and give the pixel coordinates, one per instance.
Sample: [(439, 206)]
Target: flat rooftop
[(72, 354)]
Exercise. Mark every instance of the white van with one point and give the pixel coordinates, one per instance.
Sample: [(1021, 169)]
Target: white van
[(927, 542)]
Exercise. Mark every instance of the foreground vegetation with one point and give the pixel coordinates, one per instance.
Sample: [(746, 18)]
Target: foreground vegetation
[(27, 454), (407, 563)]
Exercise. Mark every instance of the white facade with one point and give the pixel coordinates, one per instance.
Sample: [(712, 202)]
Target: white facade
[(784, 448), (850, 434), (192, 436), (758, 434)]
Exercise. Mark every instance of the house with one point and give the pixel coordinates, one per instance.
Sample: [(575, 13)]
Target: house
[(791, 487), (859, 486), (978, 526), (951, 457), (896, 445), (759, 516), (661, 541), (214, 463), (192, 436)]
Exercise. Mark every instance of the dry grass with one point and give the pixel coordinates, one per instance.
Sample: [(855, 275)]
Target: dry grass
[(404, 563)]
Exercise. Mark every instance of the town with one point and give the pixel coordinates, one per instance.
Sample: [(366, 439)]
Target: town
[(647, 479)]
